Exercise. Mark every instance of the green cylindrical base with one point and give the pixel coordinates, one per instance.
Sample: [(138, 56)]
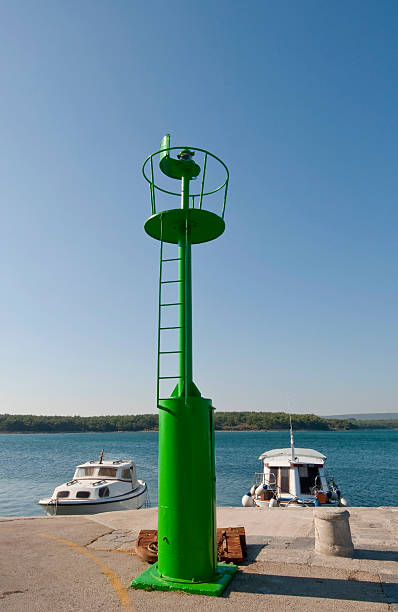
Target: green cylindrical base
[(186, 523), (151, 580)]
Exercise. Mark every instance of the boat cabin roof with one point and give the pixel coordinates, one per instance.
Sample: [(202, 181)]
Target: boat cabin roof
[(108, 463), (283, 457)]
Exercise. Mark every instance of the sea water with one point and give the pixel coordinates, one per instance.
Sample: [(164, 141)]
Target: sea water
[(364, 463)]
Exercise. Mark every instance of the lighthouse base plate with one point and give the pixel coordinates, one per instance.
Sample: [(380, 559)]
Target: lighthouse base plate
[(151, 580), (170, 225)]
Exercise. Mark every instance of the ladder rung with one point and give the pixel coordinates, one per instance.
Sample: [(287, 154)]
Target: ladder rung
[(173, 327), (173, 259), (173, 281), (172, 304), (163, 377), (168, 352)]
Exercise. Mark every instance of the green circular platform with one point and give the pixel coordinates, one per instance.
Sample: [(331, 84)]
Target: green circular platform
[(203, 225)]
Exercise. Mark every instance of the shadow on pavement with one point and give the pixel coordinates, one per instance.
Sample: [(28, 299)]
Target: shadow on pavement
[(304, 586), (376, 555), (253, 550)]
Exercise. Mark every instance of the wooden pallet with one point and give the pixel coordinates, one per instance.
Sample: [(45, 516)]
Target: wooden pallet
[(231, 545)]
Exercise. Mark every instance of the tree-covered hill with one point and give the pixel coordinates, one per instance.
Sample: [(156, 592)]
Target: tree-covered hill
[(224, 421)]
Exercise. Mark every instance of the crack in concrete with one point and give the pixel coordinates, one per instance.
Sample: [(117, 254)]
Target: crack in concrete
[(99, 537), (130, 551), (7, 593)]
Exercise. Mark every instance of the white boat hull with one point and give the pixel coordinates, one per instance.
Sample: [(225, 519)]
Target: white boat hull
[(284, 504), (134, 501)]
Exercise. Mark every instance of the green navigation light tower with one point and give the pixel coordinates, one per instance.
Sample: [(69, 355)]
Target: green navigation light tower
[(187, 505)]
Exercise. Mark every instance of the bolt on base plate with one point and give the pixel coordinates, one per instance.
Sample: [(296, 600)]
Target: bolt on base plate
[(151, 580)]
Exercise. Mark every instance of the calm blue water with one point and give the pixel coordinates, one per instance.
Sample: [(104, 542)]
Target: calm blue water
[(363, 462)]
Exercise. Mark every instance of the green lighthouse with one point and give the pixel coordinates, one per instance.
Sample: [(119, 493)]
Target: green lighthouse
[(187, 543)]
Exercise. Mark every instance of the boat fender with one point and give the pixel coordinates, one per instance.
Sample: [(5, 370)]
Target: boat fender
[(253, 490), (260, 489), (247, 500), (343, 501), (273, 503)]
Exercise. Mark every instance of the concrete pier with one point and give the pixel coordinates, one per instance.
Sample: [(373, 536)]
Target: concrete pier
[(86, 563)]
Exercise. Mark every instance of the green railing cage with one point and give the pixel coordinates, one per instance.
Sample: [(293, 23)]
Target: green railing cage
[(195, 199)]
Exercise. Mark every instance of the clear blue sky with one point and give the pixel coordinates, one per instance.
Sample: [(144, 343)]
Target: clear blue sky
[(295, 307)]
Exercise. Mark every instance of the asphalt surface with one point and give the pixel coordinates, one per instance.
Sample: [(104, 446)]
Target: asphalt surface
[(87, 563)]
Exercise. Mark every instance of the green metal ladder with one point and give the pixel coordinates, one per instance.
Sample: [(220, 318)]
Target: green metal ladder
[(161, 328)]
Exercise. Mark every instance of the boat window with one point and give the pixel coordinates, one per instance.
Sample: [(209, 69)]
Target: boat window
[(272, 478), (126, 474), (309, 478), (83, 494), (61, 494), (103, 492), (85, 471), (107, 471), (283, 480)]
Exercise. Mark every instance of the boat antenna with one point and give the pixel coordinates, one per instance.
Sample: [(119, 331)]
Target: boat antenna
[(101, 456), (291, 438)]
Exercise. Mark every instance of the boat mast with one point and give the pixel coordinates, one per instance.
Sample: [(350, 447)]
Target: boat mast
[(291, 439)]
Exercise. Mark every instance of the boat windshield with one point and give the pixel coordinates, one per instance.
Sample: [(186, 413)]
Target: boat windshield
[(81, 472), (107, 471), (84, 472)]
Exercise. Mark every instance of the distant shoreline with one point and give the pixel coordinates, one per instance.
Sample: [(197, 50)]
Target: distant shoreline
[(45, 433), (223, 421)]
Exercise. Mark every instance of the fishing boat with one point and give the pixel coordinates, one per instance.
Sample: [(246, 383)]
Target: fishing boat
[(293, 477), (98, 486)]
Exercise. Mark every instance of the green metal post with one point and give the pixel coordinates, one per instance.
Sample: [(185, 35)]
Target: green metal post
[(185, 298)]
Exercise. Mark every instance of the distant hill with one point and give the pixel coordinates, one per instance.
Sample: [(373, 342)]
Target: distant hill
[(371, 416)]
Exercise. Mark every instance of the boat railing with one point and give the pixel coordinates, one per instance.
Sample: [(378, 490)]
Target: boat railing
[(259, 478)]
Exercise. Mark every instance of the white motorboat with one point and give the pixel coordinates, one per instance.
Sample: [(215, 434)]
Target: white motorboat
[(293, 477), (98, 486)]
